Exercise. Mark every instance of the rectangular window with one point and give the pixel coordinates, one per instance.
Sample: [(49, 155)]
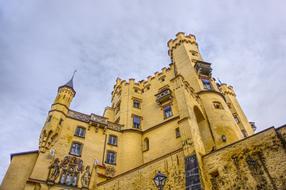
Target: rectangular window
[(192, 173), (168, 112), (80, 132), (112, 140), (178, 133), (207, 84), (76, 149), (110, 157), (136, 122), (136, 104)]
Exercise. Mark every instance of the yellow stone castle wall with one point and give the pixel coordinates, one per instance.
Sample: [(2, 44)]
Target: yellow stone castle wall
[(141, 178), (19, 171)]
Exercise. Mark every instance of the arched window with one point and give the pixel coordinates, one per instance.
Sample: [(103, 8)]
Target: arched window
[(146, 144)]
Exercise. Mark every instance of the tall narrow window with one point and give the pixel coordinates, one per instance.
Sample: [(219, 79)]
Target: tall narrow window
[(236, 118), (76, 149), (112, 140), (110, 157), (146, 144), (178, 133), (80, 132), (207, 84), (136, 122), (136, 104), (192, 173), (168, 112)]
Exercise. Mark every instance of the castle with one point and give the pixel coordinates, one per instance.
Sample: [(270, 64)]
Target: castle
[(179, 123)]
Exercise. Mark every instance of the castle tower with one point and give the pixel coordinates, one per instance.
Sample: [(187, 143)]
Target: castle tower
[(57, 115), (236, 110), (213, 116)]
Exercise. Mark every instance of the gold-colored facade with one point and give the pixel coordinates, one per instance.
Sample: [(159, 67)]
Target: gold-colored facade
[(180, 121)]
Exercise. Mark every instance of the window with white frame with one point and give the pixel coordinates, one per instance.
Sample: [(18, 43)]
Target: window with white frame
[(112, 140), (110, 157), (76, 149)]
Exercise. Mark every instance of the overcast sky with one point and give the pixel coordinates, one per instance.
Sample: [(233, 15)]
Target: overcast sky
[(43, 42)]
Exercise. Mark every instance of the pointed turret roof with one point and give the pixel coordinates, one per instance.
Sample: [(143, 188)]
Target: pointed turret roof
[(69, 84)]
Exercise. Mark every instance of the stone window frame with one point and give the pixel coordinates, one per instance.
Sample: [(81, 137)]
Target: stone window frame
[(113, 143), (146, 144), (76, 133), (80, 151), (138, 101), (218, 105), (140, 121), (178, 132), (107, 161), (207, 84), (171, 111)]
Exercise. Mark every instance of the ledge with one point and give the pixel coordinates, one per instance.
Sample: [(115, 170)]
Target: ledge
[(212, 92), (23, 153)]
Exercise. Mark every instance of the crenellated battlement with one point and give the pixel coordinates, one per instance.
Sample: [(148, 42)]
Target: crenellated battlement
[(227, 89), (181, 37), (142, 83)]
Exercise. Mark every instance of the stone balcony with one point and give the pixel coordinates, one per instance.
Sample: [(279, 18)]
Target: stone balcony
[(203, 68), (163, 96)]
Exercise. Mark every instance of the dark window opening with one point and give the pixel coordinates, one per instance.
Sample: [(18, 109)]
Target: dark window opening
[(112, 140), (110, 157), (207, 84), (80, 132), (136, 122), (218, 105), (136, 104), (178, 133), (76, 149)]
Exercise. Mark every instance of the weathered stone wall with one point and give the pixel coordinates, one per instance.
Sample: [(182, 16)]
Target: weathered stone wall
[(258, 162), (19, 171), (172, 165)]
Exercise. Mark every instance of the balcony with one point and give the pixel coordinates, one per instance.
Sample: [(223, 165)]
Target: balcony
[(163, 96), (203, 68)]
